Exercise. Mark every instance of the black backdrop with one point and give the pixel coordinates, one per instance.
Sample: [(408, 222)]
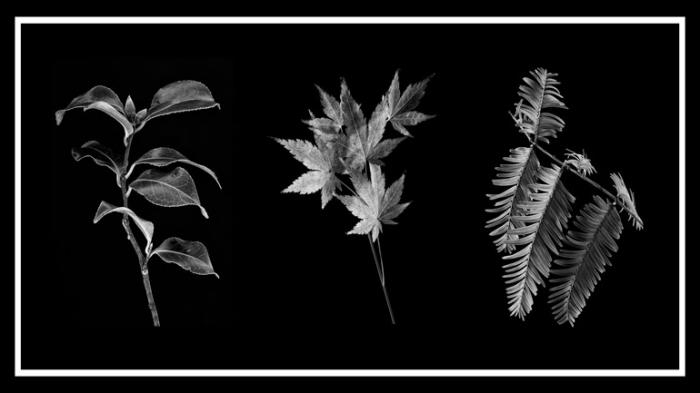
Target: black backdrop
[(295, 291)]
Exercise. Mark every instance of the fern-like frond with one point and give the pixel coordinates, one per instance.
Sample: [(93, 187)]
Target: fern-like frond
[(538, 94), (627, 197), (517, 173), (544, 217), (579, 161), (587, 250)]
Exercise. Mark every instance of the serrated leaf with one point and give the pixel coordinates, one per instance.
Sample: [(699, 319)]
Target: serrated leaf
[(321, 175), (394, 94), (163, 156), (189, 255), (181, 96), (103, 99), (372, 204), (353, 120), (402, 112), (410, 98), (145, 226), (383, 149), (305, 152), (331, 107), (169, 189), (101, 155), (309, 182)]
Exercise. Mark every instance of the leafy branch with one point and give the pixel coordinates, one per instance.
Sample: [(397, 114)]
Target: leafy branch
[(168, 188), (534, 208), (349, 151)]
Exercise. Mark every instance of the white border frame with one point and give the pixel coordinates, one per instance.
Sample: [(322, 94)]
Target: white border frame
[(19, 21)]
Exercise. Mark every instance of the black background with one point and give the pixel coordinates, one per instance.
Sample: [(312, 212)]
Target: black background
[(295, 291)]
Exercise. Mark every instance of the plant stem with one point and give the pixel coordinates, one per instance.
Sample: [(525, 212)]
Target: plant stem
[(586, 179), (130, 235), (381, 279)]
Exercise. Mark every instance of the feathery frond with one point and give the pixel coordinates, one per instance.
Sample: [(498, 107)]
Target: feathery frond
[(545, 216), (538, 94), (627, 197), (517, 173), (587, 250), (579, 161)]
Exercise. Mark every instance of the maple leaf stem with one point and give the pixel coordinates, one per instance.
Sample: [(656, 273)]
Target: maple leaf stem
[(347, 186), (381, 279)]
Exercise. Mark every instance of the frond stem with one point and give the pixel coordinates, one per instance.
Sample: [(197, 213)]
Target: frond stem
[(585, 178)]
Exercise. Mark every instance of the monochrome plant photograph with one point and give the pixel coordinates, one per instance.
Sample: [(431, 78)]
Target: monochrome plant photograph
[(368, 195)]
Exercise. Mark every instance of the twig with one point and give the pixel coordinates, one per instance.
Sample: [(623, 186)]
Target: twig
[(130, 235)]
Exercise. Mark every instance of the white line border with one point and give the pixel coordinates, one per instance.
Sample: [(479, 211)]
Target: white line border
[(680, 21)]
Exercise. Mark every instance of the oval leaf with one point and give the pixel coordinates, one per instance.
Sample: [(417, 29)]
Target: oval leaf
[(181, 96), (104, 99), (169, 189), (189, 255), (145, 226), (162, 156), (100, 154)]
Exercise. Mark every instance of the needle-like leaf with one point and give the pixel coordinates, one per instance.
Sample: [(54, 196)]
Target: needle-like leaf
[(587, 250)]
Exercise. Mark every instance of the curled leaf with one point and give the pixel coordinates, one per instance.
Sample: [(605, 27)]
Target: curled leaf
[(103, 99), (181, 96), (169, 189), (100, 154), (163, 156), (145, 226), (189, 255)]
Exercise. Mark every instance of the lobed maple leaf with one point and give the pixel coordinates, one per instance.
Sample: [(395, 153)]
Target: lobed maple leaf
[(364, 139), (321, 175), (373, 204)]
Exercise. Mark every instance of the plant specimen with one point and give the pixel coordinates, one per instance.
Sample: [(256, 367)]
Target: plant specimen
[(162, 187), (347, 146), (533, 211)]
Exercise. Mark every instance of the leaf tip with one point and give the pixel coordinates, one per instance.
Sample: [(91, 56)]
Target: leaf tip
[(59, 116)]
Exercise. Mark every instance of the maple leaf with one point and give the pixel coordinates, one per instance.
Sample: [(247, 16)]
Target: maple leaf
[(321, 175), (373, 204), (364, 138), (401, 106)]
